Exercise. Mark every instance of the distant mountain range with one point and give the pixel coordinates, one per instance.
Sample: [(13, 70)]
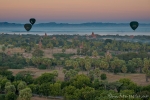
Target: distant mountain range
[(51, 24)]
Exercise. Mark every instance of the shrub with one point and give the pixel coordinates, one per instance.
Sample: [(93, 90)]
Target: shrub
[(103, 76), (19, 66), (42, 66), (59, 55), (2, 96), (102, 53)]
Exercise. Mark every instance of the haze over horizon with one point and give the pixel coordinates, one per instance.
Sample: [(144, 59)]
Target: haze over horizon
[(77, 11)]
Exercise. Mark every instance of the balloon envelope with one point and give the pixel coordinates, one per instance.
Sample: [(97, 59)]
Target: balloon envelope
[(134, 24), (27, 26), (32, 21)]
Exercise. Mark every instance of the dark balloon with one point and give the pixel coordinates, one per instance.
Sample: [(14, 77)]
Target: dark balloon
[(134, 24), (32, 21), (28, 27)]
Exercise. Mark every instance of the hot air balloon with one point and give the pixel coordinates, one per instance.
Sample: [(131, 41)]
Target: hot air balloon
[(32, 21), (134, 25), (28, 26)]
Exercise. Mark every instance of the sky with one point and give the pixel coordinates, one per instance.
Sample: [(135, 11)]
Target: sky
[(75, 11)]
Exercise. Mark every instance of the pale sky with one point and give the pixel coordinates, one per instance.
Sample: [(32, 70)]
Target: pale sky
[(75, 11)]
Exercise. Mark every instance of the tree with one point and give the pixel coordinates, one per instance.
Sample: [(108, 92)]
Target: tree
[(10, 88), (87, 93), (96, 63), (44, 78), (91, 75), (64, 71), (103, 76), (81, 63), (147, 73), (68, 63), (3, 81), (25, 94), (55, 89), (11, 96), (44, 89), (28, 78), (131, 66), (38, 53), (63, 49), (127, 84), (138, 63), (1, 59), (54, 61), (36, 61), (102, 64), (7, 84), (97, 73), (35, 88), (3, 48), (124, 69), (19, 76), (108, 56), (55, 73), (69, 74), (113, 66), (50, 45), (59, 63), (80, 81), (75, 64), (87, 66), (105, 66), (28, 61), (117, 64), (146, 68), (47, 62), (78, 51), (69, 93), (28, 49), (21, 85), (94, 53)]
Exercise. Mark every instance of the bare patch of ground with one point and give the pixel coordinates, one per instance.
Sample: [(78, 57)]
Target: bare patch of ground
[(38, 72), (42, 98), (13, 50), (48, 53), (38, 98), (137, 78)]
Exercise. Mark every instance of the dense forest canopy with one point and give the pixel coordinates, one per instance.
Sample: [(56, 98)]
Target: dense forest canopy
[(92, 55)]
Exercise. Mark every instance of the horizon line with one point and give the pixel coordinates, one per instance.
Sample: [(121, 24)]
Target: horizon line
[(73, 23)]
